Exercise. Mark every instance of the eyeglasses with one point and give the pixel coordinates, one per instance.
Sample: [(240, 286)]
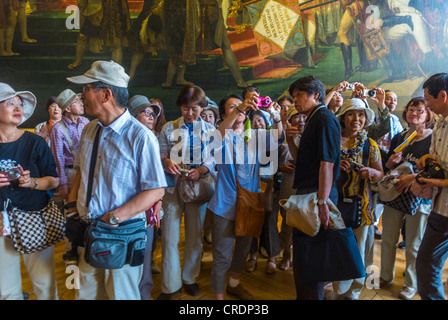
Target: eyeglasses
[(418, 111), (149, 113)]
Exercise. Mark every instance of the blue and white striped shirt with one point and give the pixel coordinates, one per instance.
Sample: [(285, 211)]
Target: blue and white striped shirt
[(128, 163)]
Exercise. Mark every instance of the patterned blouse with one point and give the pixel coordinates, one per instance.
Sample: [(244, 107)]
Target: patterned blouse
[(350, 180)]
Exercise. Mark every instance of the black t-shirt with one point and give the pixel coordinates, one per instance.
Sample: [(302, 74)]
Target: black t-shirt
[(321, 141), (33, 154), (413, 151)]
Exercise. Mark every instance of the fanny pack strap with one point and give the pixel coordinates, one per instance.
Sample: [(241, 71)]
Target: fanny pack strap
[(92, 164)]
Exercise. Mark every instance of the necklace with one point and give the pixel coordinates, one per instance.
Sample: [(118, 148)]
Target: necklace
[(10, 138)]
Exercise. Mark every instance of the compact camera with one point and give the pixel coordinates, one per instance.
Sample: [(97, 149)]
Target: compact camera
[(432, 171), (355, 166), (369, 93), (366, 93), (264, 102), (11, 174)]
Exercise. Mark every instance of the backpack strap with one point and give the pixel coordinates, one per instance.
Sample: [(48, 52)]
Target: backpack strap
[(69, 140)]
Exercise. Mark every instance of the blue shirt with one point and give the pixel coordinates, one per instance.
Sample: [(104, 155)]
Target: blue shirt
[(223, 202), (128, 163)]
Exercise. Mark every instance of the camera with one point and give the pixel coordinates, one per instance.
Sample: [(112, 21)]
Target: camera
[(263, 102), (184, 172), (355, 166), (369, 93), (432, 171), (366, 93), (12, 174)]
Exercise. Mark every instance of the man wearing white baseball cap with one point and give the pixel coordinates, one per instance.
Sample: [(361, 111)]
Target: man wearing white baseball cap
[(127, 180)]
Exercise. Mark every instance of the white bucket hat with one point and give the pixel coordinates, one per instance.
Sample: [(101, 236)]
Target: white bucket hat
[(66, 98), (28, 99), (138, 103), (108, 72), (358, 104)]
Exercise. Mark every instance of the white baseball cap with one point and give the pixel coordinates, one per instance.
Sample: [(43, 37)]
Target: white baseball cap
[(108, 72)]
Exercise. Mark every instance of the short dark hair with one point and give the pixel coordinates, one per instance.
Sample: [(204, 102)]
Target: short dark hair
[(192, 95), (311, 85), (436, 83), (50, 101), (222, 103), (280, 101), (249, 89), (121, 95)]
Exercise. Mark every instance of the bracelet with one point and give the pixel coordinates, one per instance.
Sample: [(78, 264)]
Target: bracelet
[(277, 121)]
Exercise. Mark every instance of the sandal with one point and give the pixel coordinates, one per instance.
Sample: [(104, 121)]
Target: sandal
[(284, 264), (251, 265), (271, 266)]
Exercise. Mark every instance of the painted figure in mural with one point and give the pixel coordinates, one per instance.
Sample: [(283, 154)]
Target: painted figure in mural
[(353, 12), (103, 22), (12, 12), (90, 15), (182, 27), (146, 35), (414, 26)]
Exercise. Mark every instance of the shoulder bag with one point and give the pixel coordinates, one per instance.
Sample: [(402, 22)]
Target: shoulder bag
[(351, 207), (33, 231), (249, 216)]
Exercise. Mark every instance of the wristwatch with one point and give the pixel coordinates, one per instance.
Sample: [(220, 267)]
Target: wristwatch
[(321, 202), (113, 219)]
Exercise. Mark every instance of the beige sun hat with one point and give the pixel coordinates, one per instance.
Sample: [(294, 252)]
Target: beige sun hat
[(29, 100), (108, 72), (66, 98), (358, 104), (138, 103)]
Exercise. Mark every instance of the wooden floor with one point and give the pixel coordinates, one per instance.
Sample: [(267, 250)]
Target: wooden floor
[(277, 286)]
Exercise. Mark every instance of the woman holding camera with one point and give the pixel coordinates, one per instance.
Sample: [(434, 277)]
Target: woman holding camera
[(29, 192), (360, 166), (420, 120)]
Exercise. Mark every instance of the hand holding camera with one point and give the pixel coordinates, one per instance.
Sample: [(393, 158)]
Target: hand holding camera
[(432, 170)]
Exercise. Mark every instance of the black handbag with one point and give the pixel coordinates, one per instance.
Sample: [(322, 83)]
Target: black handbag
[(331, 255), (351, 207)]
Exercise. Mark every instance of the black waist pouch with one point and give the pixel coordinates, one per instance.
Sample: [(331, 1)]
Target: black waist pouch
[(109, 247)]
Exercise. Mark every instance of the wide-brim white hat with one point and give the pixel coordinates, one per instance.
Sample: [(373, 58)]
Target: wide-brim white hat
[(29, 100), (358, 104)]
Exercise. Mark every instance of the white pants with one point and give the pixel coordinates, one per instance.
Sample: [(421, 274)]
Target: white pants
[(420, 32), (107, 284), (174, 208), (40, 267)]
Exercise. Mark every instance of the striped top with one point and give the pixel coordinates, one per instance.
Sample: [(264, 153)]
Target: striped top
[(439, 149), (60, 146)]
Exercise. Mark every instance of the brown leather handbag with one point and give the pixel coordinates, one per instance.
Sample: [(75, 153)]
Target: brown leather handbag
[(249, 217)]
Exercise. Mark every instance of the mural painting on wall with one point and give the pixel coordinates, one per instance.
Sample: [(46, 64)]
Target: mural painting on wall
[(275, 39), (404, 38)]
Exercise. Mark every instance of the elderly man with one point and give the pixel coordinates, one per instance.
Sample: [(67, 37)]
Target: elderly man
[(65, 137), (64, 142), (127, 179)]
